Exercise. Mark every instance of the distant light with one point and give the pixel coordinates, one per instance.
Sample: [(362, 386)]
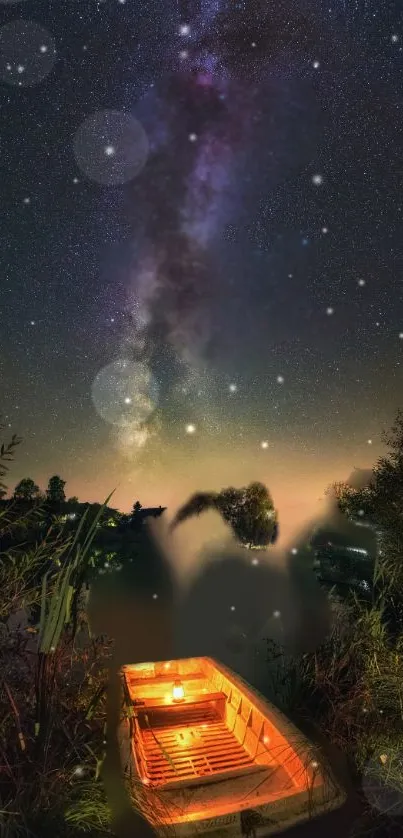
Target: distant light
[(317, 180), (27, 200), (316, 65), (314, 764), (155, 596), (280, 379), (192, 138), (264, 444), (394, 39), (276, 614), (110, 150), (401, 335), (20, 68), (330, 310), (190, 429), (128, 400), (32, 323), (361, 282), (233, 388), (79, 771), (370, 442), (325, 230), (253, 44), (294, 551), (75, 180), (232, 607), (255, 562), (43, 48)]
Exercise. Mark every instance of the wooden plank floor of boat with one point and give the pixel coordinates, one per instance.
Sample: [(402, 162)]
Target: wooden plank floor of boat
[(199, 747)]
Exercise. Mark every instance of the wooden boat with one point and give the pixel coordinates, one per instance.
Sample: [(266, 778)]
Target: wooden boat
[(210, 754)]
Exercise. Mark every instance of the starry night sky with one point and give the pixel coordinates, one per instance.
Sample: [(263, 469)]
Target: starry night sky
[(230, 309)]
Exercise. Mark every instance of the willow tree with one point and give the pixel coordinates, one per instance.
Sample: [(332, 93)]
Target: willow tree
[(248, 511)]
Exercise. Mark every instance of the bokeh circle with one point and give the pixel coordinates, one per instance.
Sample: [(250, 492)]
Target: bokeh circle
[(125, 393), (27, 53), (382, 782), (111, 147)]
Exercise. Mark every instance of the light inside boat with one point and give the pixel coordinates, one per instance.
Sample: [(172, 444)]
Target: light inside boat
[(178, 693)]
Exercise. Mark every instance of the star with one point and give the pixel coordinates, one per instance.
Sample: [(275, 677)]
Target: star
[(192, 138), (370, 442), (330, 310), (32, 323), (317, 180), (325, 230), (75, 179), (276, 614), (280, 379), (27, 200), (233, 388), (264, 444), (43, 48), (109, 150), (128, 400), (20, 68), (232, 607), (401, 335), (394, 39), (184, 29), (361, 282), (316, 65), (183, 54), (190, 429)]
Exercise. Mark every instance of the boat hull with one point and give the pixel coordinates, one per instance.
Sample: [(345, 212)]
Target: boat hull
[(283, 783)]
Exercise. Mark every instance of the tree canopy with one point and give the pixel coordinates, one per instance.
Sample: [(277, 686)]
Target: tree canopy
[(55, 492), (249, 512), (26, 490)]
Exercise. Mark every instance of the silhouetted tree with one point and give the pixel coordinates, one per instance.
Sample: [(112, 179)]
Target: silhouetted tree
[(249, 511), (136, 507), (73, 500), (55, 492), (26, 490), (378, 503)]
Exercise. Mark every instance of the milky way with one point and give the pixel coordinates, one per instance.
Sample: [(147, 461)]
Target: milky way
[(198, 122)]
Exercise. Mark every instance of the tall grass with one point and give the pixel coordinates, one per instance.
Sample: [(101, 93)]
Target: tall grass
[(351, 691), (52, 692)]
